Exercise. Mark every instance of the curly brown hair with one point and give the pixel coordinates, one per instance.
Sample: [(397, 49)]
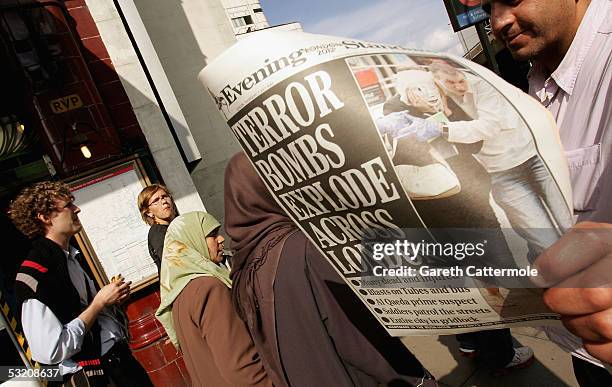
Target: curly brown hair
[(37, 199)]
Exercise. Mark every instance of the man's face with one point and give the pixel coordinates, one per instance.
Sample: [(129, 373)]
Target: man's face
[(453, 83), (161, 207), (531, 28), (214, 241), (64, 220)]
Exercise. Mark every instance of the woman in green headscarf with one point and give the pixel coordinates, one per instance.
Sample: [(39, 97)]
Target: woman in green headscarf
[(196, 308)]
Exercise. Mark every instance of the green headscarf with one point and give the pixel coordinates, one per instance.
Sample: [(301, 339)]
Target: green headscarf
[(186, 257)]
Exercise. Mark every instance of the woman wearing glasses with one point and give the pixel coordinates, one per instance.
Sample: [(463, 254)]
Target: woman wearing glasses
[(157, 209)]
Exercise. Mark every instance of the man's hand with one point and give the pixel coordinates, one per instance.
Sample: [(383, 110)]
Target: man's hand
[(113, 293), (578, 271), (418, 102), (401, 124)]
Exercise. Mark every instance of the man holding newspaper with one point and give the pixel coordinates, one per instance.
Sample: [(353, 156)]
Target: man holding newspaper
[(570, 43)]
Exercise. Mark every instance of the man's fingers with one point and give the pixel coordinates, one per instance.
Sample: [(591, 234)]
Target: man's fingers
[(125, 285), (414, 99), (602, 351), (578, 301), (598, 275), (583, 245), (596, 327)]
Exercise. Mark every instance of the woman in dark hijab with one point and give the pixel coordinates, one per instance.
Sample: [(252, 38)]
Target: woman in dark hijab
[(308, 326)]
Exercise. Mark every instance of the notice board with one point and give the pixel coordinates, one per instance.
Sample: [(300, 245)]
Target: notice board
[(114, 237)]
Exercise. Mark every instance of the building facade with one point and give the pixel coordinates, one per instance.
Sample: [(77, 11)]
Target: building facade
[(245, 15), (94, 83)]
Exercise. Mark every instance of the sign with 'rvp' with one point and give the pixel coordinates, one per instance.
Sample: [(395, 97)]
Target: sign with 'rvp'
[(64, 104)]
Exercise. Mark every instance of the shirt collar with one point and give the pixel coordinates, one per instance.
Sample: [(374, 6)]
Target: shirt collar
[(463, 99), (71, 253), (566, 73)]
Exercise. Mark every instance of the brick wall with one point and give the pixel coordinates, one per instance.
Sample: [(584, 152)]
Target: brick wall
[(103, 73)]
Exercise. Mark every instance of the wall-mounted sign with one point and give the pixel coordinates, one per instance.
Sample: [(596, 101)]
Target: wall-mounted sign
[(67, 103), (464, 13), (114, 236)]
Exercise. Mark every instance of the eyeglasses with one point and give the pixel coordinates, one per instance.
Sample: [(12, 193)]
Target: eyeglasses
[(159, 199), (69, 204)]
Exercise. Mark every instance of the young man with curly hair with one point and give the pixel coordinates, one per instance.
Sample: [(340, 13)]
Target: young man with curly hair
[(66, 321)]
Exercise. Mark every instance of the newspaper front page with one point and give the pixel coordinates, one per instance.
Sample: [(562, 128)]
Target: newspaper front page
[(428, 183)]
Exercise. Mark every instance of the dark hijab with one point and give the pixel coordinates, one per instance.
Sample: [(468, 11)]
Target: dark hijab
[(254, 221), (258, 227)]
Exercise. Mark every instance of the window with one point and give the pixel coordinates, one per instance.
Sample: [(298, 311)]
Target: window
[(238, 22), (242, 21)]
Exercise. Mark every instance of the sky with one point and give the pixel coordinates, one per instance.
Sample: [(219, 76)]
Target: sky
[(421, 24)]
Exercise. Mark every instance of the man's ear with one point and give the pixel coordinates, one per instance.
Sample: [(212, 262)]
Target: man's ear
[(46, 220), (150, 215)]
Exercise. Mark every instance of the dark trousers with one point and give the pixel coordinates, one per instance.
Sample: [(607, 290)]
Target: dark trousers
[(123, 369), (589, 375), (120, 369), (495, 346)]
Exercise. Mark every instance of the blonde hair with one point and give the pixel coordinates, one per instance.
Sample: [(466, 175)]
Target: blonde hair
[(143, 201)]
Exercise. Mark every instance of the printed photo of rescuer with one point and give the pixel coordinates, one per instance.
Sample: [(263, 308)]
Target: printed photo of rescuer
[(460, 148)]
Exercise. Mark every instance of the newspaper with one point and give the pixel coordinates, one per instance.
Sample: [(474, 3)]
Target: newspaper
[(428, 183)]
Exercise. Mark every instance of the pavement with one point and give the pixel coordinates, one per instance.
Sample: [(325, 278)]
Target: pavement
[(440, 355)]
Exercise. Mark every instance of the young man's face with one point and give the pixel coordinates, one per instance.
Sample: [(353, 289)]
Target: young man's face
[(161, 207), (531, 28), (64, 220)]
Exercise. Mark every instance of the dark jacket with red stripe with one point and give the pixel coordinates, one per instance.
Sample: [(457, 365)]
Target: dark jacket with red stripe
[(44, 276)]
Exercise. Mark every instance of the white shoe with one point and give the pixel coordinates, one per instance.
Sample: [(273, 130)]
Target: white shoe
[(523, 357), (469, 353), (432, 181)]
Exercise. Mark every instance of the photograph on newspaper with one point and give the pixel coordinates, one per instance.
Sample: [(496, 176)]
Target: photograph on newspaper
[(428, 183)]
